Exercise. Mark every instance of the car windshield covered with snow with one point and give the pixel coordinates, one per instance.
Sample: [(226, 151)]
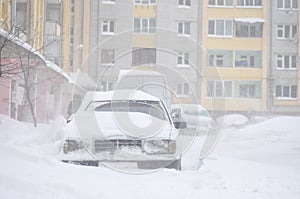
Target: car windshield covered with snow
[(153, 108)]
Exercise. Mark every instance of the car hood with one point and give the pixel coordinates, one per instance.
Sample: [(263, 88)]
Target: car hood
[(119, 125)]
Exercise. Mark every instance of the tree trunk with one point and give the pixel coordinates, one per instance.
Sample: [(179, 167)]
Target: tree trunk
[(26, 74)]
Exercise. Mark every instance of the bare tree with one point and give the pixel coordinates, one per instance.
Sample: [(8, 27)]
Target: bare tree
[(19, 60)]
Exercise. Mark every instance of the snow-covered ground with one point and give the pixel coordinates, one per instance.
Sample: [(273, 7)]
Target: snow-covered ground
[(259, 160)]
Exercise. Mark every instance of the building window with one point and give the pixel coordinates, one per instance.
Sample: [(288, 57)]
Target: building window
[(107, 57), (286, 31), (286, 61), (184, 3), (287, 4), (248, 89), (183, 89), (219, 58), (108, 27), (219, 89), (142, 56), (248, 59), (53, 11), (108, 1), (184, 28), (106, 85), (216, 60), (247, 29), (144, 2), (220, 3), (249, 3), (220, 28), (183, 60), (21, 13), (285, 91), (144, 25)]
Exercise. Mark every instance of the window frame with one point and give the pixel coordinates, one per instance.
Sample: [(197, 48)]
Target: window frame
[(253, 4), (142, 2), (184, 24), (247, 91), (183, 59), (224, 35), (248, 58), (110, 63), (216, 4), (215, 86), (214, 58), (240, 33), (140, 30), (282, 58), (110, 25), (144, 53), (281, 90), (109, 85), (281, 29), (291, 7), (184, 4), (251, 89), (184, 86)]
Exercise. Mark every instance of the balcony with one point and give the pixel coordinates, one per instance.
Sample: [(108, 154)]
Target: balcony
[(52, 29)]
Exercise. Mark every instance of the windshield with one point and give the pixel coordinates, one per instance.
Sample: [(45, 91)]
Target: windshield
[(153, 108)]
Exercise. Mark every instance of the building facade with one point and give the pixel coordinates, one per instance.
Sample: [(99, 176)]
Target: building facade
[(147, 35), (235, 56), (228, 55), (283, 73)]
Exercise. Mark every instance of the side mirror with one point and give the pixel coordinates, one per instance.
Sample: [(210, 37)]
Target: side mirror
[(180, 125)]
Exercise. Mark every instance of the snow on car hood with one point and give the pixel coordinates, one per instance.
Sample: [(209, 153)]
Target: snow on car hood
[(121, 125)]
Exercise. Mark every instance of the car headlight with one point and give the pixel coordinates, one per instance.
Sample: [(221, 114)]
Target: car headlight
[(159, 146)]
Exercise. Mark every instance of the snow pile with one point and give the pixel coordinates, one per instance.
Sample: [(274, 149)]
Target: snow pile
[(43, 139), (260, 160), (232, 120), (15, 133), (257, 161)]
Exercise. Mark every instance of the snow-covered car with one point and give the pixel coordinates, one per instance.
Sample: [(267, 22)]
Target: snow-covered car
[(123, 126), (195, 116)]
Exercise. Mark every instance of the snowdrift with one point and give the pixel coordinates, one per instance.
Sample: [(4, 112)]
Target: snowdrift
[(256, 161)]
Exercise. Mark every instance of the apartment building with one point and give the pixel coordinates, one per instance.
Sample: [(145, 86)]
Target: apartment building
[(228, 55), (283, 73), (234, 59), (140, 34), (179, 46)]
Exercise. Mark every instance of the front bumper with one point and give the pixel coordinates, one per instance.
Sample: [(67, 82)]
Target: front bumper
[(117, 153), (121, 160)]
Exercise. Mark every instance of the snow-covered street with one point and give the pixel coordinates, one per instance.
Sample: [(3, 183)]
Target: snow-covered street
[(259, 160)]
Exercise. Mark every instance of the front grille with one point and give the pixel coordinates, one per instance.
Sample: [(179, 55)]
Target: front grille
[(114, 144)]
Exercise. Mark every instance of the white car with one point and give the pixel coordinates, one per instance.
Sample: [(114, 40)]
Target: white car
[(122, 126), (195, 116)]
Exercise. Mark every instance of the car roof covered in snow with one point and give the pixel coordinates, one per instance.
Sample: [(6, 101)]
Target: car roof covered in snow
[(116, 95)]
